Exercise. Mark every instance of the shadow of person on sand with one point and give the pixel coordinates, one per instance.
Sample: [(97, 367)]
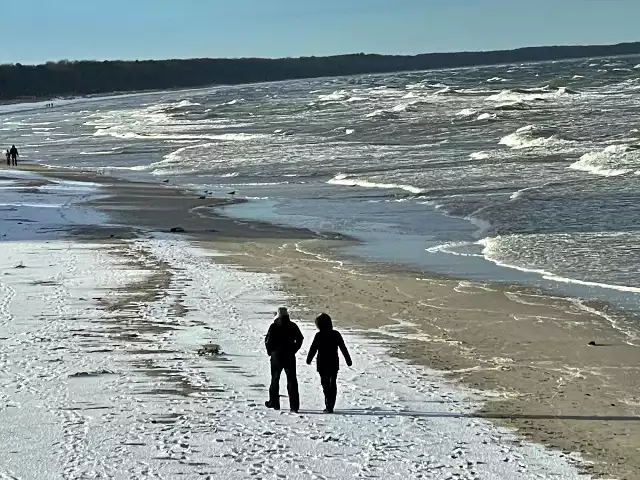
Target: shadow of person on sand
[(480, 415)]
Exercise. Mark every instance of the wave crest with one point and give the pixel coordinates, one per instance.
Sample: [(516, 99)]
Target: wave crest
[(613, 161), (532, 136), (343, 179)]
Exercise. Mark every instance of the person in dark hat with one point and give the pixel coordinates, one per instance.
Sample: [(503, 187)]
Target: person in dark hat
[(283, 340), (326, 344)]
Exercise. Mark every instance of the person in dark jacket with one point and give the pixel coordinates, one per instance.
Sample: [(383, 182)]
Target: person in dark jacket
[(14, 155), (326, 344), (283, 341)]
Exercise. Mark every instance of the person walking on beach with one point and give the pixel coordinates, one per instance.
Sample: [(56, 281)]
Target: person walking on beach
[(14, 155), (326, 344), (283, 340), (8, 154)]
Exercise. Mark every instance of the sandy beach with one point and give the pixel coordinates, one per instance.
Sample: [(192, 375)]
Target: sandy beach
[(531, 350), (505, 355)]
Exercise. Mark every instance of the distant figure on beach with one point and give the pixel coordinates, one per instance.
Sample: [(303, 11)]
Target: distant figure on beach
[(326, 344), (8, 154), (14, 155), (283, 341)]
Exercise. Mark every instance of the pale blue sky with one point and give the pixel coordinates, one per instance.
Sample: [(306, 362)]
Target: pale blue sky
[(44, 30)]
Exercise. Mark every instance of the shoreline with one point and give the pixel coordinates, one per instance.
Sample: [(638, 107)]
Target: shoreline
[(441, 323), (558, 402), (443, 260), (113, 364)]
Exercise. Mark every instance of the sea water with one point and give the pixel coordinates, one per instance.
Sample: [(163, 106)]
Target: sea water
[(521, 172)]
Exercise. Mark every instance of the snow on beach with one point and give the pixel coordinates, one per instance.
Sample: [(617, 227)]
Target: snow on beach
[(100, 376)]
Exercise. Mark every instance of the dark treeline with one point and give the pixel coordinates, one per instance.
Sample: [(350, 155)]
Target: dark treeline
[(92, 77)]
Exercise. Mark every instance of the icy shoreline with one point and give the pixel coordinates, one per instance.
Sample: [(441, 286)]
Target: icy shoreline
[(100, 377)]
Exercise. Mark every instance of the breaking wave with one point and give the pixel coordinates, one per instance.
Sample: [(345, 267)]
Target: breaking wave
[(382, 113), (470, 113), (480, 156), (530, 94), (533, 136), (613, 161), (495, 247), (487, 116), (116, 132), (514, 106), (336, 96), (343, 179), (467, 113)]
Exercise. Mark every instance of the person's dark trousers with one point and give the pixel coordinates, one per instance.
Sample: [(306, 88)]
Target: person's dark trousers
[(289, 367), (330, 388)]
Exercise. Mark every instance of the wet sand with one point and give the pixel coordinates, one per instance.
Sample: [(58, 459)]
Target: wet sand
[(530, 349)]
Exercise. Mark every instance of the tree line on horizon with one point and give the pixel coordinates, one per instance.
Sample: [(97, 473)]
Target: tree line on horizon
[(87, 77)]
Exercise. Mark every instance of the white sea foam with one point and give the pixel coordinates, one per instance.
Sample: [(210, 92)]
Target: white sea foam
[(613, 161), (467, 112), (480, 155), (336, 96), (384, 91), (567, 91), (99, 152), (520, 193), (185, 103), (176, 161), (443, 91), (343, 179), (381, 113), (416, 86), (496, 80), (400, 108), (487, 116), (534, 136), (453, 248), (491, 253), (106, 169), (529, 94), (509, 96), (516, 105), (118, 132)]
